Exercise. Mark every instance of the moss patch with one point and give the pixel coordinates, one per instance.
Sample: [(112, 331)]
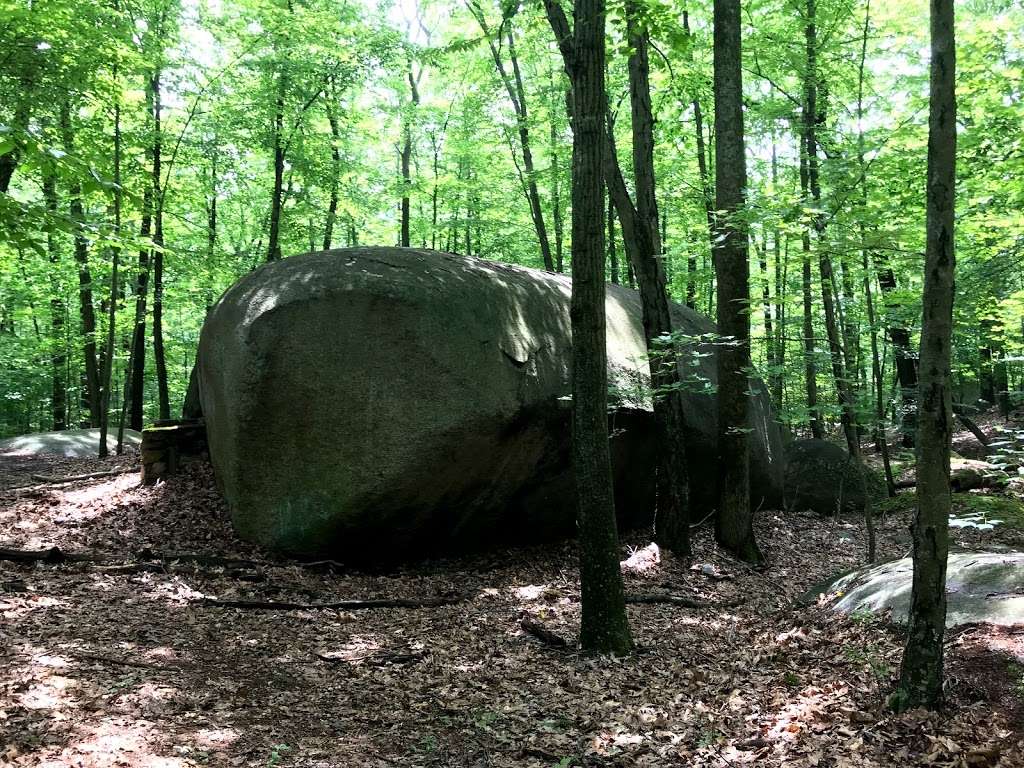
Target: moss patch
[(1005, 508)]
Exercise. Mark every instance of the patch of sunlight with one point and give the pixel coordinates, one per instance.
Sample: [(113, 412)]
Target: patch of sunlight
[(52, 692), (17, 607), (530, 591), (810, 711), (47, 660), (116, 742), (177, 591), (216, 738), (358, 648), (643, 559), (93, 493)]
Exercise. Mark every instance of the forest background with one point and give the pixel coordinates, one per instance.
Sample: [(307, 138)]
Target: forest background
[(153, 151)]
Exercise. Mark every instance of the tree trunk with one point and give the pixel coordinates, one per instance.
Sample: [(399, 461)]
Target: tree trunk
[(734, 529), (707, 193), (332, 204), (58, 359), (906, 362), (613, 256), (86, 310), (405, 160), (115, 263), (921, 674), (810, 363), (517, 96), (642, 244), (556, 197), (604, 627), (276, 195), (159, 353), (811, 117)]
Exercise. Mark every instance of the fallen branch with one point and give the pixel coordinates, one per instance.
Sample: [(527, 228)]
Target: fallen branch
[(680, 600), (145, 560), (379, 658), (974, 429), (46, 480), (340, 605), (122, 662), (542, 633), (51, 555)]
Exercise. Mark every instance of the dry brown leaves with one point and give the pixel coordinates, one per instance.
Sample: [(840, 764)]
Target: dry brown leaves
[(108, 668)]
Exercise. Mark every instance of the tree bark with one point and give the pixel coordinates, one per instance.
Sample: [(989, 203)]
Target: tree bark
[(613, 256), (87, 312), (810, 362), (811, 117), (274, 239), (115, 263), (921, 674), (332, 204), (405, 160), (906, 360), (159, 353), (604, 627), (707, 194), (58, 358), (734, 529)]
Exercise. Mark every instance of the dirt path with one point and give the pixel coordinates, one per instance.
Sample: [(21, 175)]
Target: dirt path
[(122, 663)]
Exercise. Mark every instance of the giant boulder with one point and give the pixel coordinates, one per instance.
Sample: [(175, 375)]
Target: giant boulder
[(382, 403)]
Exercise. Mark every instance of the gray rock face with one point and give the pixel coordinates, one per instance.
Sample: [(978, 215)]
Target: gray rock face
[(382, 403), (820, 476), (70, 443), (980, 587)]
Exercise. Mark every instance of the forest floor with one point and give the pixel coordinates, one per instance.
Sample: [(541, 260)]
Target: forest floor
[(124, 661)]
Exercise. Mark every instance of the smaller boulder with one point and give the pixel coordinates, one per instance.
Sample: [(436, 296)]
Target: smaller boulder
[(980, 587), (822, 477)]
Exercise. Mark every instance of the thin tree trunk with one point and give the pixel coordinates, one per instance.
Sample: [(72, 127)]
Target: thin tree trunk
[(811, 116), (332, 204), (734, 529), (405, 160), (556, 197), (276, 196), (86, 309), (604, 627), (881, 438), (707, 193), (613, 256), (115, 263), (906, 361), (159, 353), (517, 96), (58, 359), (672, 526), (810, 363), (921, 674)]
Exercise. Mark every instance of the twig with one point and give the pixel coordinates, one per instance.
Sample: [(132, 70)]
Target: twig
[(679, 600), (340, 605), (75, 478), (122, 662), (536, 629)]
